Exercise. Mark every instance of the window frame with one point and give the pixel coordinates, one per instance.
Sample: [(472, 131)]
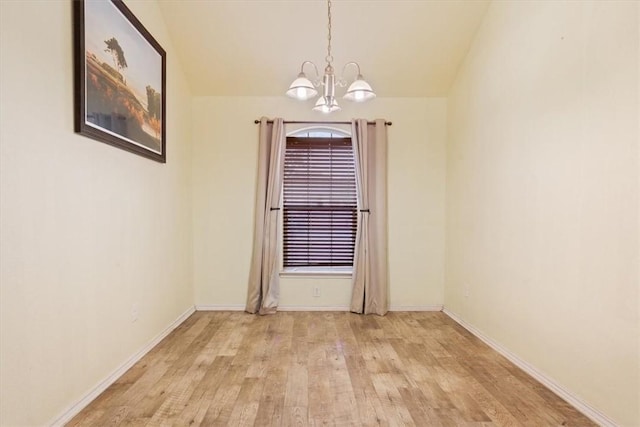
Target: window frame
[(312, 271)]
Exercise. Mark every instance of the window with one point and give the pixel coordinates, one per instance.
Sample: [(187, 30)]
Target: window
[(319, 201)]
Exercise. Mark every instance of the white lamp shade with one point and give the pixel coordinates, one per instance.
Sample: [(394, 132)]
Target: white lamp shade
[(359, 91), (326, 107), (302, 88)]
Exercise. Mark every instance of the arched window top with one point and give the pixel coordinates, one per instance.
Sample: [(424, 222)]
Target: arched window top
[(320, 132)]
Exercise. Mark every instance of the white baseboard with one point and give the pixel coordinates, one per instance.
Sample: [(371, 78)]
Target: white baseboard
[(416, 308), (589, 411), (218, 307), (313, 308), (74, 409), (215, 307)]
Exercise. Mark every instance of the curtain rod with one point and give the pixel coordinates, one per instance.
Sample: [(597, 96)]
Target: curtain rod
[(297, 122)]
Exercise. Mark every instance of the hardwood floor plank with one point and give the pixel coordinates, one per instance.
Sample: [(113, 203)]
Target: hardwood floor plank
[(195, 409), (277, 357), (224, 400), (295, 416), (246, 406), (297, 390), (325, 369), (392, 403), (174, 387)]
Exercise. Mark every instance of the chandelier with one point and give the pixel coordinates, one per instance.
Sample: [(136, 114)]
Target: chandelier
[(302, 88)]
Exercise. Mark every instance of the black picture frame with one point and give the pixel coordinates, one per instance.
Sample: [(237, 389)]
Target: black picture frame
[(118, 102)]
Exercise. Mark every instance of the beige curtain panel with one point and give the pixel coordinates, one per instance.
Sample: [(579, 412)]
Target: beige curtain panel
[(370, 264), (264, 278)]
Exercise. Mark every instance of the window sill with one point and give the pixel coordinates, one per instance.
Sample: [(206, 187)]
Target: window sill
[(333, 272)]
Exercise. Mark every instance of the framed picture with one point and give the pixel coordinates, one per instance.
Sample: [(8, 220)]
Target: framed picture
[(120, 83)]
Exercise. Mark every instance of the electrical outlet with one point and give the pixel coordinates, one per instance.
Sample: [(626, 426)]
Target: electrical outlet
[(135, 312), (316, 291), (466, 291)]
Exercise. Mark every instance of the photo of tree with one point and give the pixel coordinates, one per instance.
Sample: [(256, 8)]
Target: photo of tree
[(123, 79)]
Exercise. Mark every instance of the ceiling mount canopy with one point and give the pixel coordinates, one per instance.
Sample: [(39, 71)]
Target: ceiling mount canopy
[(303, 89)]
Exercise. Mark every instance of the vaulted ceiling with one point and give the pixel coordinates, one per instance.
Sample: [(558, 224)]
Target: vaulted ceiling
[(255, 47)]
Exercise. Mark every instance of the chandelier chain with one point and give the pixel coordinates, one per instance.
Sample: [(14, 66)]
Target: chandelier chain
[(329, 57)]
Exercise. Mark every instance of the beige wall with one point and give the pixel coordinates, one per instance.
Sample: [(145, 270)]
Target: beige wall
[(87, 230), (542, 206), (224, 176), (542, 194)]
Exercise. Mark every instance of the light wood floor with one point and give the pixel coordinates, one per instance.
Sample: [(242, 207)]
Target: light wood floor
[(343, 369)]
